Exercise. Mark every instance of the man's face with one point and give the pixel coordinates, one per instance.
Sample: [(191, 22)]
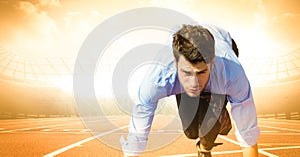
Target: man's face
[(193, 77)]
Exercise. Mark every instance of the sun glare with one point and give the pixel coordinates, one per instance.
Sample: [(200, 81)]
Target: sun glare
[(255, 44), (64, 83)]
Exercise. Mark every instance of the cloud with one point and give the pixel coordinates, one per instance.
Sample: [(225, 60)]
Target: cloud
[(278, 22), (26, 7), (42, 4), (26, 28), (40, 28), (284, 27), (50, 3), (41, 25), (290, 15), (36, 22)]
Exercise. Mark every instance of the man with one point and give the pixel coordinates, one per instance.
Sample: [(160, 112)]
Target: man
[(208, 73)]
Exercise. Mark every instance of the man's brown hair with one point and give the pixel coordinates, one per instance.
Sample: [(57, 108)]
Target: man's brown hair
[(195, 43)]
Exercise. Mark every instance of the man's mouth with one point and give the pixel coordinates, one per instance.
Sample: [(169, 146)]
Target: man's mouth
[(193, 90)]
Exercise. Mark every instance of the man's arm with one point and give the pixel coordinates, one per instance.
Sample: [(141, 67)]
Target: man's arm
[(158, 83), (142, 117), (243, 110), (138, 130), (250, 151)]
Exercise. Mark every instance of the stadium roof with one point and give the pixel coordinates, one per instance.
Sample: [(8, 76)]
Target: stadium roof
[(274, 69), (34, 71), (44, 71)]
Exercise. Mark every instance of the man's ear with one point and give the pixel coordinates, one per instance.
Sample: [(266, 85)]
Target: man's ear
[(176, 63)]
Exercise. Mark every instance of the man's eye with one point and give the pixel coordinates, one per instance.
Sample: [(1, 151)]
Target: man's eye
[(201, 72), (187, 72)]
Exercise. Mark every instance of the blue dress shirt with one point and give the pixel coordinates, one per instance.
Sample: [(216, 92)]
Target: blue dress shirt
[(227, 77)]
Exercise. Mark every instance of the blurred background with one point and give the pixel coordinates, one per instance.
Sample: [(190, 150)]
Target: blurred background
[(40, 40)]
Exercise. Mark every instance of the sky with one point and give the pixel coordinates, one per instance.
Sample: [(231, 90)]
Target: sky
[(56, 28)]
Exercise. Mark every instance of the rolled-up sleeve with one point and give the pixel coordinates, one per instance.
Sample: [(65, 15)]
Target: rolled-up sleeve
[(243, 111), (138, 129), (150, 92)]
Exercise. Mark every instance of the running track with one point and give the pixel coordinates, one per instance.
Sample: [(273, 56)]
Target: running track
[(69, 137)]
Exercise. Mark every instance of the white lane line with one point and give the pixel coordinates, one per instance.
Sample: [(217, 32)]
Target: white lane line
[(39, 127), (268, 131), (277, 121), (166, 132), (239, 151), (237, 143), (85, 130), (49, 126), (41, 120), (213, 153), (227, 152), (266, 153), (24, 121), (229, 140), (81, 142), (285, 129), (280, 148), (180, 155), (277, 144), (46, 130)]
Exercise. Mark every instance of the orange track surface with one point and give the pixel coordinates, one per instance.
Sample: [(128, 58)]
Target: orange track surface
[(70, 137)]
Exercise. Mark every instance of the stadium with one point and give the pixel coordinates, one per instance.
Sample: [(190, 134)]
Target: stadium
[(42, 87), (37, 103), (32, 87), (275, 82)]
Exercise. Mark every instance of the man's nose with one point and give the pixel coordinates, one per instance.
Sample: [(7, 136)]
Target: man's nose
[(194, 81)]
